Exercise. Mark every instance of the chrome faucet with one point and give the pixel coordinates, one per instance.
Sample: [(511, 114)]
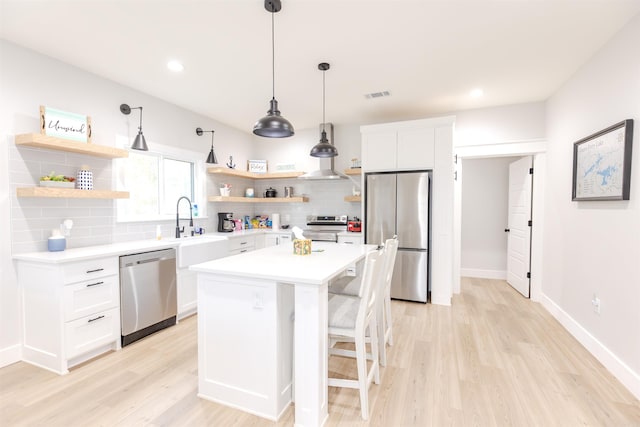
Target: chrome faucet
[(178, 230)]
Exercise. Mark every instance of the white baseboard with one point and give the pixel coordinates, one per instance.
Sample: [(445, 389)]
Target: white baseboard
[(10, 355), (484, 274), (624, 374)]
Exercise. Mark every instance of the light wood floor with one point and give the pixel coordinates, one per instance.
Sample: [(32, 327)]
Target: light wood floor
[(492, 359)]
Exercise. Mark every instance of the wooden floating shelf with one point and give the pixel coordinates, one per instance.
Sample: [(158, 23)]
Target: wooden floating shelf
[(352, 198), (253, 175), (70, 193), (38, 140), (353, 171), (233, 199)]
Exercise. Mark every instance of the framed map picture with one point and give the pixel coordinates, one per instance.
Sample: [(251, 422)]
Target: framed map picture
[(602, 164)]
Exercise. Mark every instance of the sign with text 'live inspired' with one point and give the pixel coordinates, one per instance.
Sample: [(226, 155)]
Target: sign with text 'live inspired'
[(65, 125)]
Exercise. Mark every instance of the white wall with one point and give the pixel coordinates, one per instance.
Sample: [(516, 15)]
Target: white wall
[(485, 194), (593, 248)]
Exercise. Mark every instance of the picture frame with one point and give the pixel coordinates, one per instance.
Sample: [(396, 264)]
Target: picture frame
[(65, 125), (602, 164), (257, 166)]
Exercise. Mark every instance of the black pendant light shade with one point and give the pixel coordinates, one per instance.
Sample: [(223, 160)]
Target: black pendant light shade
[(323, 148), (212, 159), (139, 143), (273, 125)]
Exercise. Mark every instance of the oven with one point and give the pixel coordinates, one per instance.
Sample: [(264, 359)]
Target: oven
[(325, 228)]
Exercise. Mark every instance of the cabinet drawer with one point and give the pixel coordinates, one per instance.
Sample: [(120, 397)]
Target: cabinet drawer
[(240, 251), (242, 242), (351, 240), (90, 269), (88, 333), (89, 297)]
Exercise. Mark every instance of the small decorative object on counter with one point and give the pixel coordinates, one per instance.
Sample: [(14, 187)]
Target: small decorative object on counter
[(248, 192), (288, 192), (355, 163), (56, 242), (158, 233), (270, 192), (301, 246), (84, 179), (53, 180), (195, 210), (247, 222)]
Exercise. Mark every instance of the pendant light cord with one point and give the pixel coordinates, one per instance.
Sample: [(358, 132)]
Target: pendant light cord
[(273, 58), (323, 94), (140, 127)]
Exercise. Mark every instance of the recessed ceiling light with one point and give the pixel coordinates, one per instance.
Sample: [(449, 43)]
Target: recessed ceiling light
[(476, 93), (175, 66), (380, 94)]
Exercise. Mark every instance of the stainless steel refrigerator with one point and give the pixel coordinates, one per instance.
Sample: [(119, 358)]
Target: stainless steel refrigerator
[(399, 203)]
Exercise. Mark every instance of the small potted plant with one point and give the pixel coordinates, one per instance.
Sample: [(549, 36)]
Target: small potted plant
[(61, 181)]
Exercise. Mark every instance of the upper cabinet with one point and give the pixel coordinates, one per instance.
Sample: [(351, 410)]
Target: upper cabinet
[(398, 146)]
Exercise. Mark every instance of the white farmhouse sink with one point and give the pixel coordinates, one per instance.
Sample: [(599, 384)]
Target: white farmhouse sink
[(194, 250)]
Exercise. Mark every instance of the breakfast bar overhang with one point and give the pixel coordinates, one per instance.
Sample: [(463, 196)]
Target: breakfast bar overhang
[(248, 340)]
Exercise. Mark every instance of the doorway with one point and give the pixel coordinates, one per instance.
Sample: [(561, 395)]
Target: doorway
[(537, 150)]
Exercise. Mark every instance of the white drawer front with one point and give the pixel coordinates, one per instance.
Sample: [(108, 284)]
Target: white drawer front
[(355, 240), (86, 298), (91, 332), (90, 269), (240, 251), (242, 242)]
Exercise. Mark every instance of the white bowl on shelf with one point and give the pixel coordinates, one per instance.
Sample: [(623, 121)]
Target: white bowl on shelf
[(59, 184)]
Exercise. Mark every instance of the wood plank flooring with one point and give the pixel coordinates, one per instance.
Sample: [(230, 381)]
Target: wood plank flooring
[(491, 359)]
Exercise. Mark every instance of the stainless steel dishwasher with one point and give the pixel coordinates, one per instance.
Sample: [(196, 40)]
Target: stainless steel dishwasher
[(148, 295)]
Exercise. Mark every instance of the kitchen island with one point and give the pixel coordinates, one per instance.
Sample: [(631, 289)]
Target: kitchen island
[(248, 340)]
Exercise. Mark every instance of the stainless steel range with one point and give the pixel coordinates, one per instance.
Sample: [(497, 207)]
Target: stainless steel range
[(325, 228)]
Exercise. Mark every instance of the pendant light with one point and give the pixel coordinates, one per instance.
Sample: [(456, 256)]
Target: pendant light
[(139, 143), (323, 148), (273, 125), (212, 155)]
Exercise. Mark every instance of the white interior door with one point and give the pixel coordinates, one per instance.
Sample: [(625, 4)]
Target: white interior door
[(519, 231)]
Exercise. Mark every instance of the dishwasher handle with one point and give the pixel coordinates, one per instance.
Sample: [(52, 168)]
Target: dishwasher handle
[(144, 261)]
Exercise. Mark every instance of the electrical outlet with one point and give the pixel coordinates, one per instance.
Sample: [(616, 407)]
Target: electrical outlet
[(596, 304), (351, 271)]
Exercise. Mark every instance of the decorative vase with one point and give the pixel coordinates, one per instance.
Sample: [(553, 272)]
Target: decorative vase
[(84, 179)]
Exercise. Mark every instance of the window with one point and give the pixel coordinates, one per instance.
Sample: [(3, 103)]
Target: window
[(155, 181)]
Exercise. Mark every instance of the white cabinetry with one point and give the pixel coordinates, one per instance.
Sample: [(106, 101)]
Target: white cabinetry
[(397, 149), (351, 239), (274, 239), (71, 311), (241, 244)]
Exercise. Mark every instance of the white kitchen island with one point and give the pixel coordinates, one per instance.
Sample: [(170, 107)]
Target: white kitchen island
[(247, 333)]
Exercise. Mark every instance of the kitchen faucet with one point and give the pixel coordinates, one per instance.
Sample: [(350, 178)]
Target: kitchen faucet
[(178, 230)]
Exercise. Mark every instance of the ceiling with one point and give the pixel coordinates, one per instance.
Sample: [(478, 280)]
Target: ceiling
[(427, 54)]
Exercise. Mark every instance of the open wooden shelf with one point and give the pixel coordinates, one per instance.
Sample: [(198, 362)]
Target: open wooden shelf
[(234, 199), (71, 193), (38, 140), (353, 171), (253, 175), (352, 198)]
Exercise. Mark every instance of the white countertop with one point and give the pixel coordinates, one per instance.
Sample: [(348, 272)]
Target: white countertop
[(278, 263)]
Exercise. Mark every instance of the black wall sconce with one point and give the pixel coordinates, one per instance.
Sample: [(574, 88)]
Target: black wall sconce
[(139, 143), (212, 155)]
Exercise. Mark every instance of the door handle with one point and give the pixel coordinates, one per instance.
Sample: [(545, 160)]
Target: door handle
[(506, 230)]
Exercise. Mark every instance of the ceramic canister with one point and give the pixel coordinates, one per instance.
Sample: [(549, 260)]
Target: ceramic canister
[(84, 179)]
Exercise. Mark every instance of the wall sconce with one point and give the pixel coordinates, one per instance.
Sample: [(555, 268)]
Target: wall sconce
[(139, 143), (212, 155)]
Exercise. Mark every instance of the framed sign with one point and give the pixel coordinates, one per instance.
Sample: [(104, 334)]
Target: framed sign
[(257, 166), (65, 125), (602, 164)]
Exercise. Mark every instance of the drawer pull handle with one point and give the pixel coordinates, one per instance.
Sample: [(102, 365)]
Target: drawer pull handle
[(244, 250), (95, 271), (97, 318), (94, 284), (243, 243), (349, 243)]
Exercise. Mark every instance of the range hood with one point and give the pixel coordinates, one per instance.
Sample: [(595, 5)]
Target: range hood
[(326, 169)]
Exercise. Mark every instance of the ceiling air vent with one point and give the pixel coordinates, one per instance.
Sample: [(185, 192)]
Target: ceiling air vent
[(377, 94)]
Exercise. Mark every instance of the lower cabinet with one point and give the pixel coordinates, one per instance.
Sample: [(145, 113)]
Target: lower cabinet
[(241, 244), (70, 311), (352, 239), (274, 239)]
